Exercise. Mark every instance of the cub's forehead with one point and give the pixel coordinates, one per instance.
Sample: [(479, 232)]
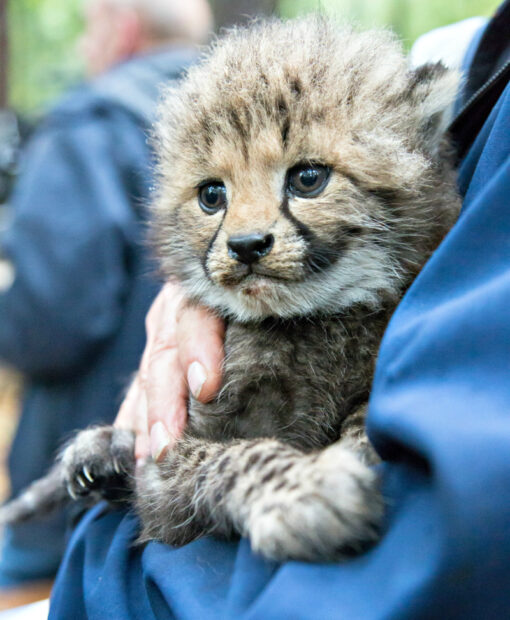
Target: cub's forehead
[(256, 101), (273, 86)]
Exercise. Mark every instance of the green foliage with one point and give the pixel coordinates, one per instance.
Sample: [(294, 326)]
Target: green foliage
[(409, 18), (43, 61), (43, 35)]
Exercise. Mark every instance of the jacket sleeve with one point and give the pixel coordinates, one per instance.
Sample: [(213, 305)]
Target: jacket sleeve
[(72, 224)]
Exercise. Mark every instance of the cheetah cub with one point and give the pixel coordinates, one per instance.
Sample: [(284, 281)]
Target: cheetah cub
[(304, 179)]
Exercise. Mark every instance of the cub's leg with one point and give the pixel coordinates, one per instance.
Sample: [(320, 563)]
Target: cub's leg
[(354, 436), (98, 463), (291, 505)]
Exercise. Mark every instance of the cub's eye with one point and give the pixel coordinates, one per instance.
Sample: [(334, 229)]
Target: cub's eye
[(307, 180), (212, 197)]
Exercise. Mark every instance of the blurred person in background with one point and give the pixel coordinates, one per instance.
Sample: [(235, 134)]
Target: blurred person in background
[(72, 319)]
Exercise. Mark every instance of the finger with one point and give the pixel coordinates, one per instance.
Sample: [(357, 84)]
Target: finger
[(142, 447), (133, 413), (160, 324), (166, 392), (133, 416), (160, 328), (142, 441), (161, 318), (126, 418), (200, 337)]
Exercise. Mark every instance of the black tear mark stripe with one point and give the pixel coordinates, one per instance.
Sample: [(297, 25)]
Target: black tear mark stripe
[(320, 255), (302, 229), (211, 243)]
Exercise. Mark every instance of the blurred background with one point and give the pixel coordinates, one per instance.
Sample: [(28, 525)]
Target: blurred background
[(42, 34)]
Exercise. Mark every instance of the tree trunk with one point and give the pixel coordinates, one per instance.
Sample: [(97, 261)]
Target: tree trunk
[(228, 12)]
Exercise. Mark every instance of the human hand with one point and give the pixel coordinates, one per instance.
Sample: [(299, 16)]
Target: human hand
[(183, 353)]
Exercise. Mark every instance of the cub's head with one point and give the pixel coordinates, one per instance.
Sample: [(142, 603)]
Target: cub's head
[(302, 170)]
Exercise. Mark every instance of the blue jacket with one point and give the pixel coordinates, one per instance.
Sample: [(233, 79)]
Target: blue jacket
[(73, 320), (440, 418)]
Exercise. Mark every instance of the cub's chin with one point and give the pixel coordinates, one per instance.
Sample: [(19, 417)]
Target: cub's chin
[(253, 298), (257, 297), (258, 287)]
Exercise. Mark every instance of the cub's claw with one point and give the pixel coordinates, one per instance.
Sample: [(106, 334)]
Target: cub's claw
[(100, 462), (81, 482), (88, 475), (71, 492), (116, 466)]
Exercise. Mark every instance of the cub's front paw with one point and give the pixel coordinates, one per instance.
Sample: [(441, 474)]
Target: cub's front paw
[(325, 508), (100, 461)]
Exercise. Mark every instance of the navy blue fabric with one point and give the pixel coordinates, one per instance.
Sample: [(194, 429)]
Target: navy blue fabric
[(73, 320), (440, 418)]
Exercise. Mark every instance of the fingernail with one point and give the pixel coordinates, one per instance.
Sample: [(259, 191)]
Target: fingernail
[(160, 440), (196, 378)]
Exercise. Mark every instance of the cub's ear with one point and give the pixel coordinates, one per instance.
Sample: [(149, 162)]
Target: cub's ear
[(432, 90)]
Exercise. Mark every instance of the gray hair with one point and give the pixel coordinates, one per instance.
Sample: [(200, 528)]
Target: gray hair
[(188, 20)]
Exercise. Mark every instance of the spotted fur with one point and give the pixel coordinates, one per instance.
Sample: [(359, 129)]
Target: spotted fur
[(281, 455)]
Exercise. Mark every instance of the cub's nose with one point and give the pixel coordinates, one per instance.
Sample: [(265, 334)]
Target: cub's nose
[(250, 248)]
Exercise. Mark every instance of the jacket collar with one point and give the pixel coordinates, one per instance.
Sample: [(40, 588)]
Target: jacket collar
[(487, 77)]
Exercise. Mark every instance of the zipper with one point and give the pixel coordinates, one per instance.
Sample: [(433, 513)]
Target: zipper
[(471, 118), (482, 90)]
